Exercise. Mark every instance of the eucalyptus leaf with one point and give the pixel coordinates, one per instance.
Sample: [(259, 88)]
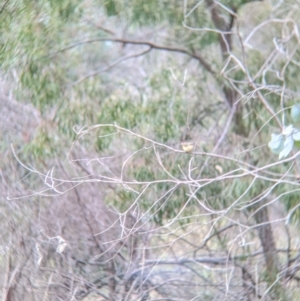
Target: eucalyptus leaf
[(296, 135), (287, 147), (276, 144)]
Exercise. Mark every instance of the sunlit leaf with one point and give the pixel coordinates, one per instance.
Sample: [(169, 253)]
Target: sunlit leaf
[(287, 147), (296, 135), (276, 144), (288, 130)]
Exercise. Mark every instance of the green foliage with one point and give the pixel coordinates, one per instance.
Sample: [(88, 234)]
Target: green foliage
[(45, 85), (289, 195), (146, 12), (45, 144), (140, 93), (246, 191), (160, 111), (28, 40), (64, 10)]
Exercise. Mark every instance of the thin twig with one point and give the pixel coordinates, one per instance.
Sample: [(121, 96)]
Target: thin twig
[(196, 56)]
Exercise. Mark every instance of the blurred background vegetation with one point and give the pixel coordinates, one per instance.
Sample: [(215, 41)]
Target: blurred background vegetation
[(119, 212)]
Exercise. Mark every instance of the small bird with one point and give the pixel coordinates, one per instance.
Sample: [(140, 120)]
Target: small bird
[(188, 146)]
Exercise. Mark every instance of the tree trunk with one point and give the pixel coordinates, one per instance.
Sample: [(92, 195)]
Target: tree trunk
[(266, 236), (267, 240), (225, 42)]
